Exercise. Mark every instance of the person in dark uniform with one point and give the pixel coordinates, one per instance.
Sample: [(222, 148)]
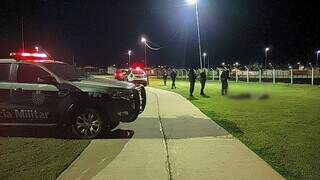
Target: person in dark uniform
[(192, 79), (203, 79), (173, 75), (165, 76), (224, 82)]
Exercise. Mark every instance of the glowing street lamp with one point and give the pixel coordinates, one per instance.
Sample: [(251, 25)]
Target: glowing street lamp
[(192, 2), (270, 64), (195, 3), (143, 40), (266, 59)]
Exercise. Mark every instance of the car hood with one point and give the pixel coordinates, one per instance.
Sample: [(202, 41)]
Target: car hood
[(101, 85)]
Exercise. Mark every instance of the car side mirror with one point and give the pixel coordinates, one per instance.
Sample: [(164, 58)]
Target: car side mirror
[(47, 80)]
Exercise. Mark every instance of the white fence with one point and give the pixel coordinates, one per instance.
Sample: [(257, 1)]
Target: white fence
[(306, 76)]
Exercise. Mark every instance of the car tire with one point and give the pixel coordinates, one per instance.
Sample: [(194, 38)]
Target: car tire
[(88, 124)]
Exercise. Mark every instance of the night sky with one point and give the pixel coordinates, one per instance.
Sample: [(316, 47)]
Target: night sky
[(100, 32)]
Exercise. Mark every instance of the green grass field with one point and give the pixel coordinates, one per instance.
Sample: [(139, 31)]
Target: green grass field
[(37, 158), (283, 127)]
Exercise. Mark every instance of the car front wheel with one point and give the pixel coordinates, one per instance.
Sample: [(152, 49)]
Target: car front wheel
[(88, 124)]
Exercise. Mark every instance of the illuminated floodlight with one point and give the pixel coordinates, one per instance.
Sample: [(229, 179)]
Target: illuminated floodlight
[(267, 49), (223, 64), (143, 40), (204, 54), (318, 52), (192, 2), (129, 52)]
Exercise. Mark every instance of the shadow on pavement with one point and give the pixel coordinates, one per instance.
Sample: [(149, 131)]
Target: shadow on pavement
[(182, 127), (53, 132)]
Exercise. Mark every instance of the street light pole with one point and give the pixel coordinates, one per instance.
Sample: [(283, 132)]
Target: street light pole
[(204, 59), (22, 34), (145, 54), (266, 58), (317, 64), (129, 56), (144, 40)]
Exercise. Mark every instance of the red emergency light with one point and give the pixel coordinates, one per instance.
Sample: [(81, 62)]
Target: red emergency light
[(35, 55), (138, 66), (30, 56)]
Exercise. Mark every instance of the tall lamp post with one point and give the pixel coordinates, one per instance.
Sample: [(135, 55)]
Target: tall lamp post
[(195, 3), (144, 41), (266, 57), (129, 56), (317, 64), (204, 59)]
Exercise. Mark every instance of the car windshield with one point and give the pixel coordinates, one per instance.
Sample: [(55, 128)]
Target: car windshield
[(66, 71)]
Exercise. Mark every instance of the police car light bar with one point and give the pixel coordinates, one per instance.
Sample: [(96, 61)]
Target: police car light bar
[(37, 55), (29, 56)]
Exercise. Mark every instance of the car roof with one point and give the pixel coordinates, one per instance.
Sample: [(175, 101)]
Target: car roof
[(7, 61), (4, 61)]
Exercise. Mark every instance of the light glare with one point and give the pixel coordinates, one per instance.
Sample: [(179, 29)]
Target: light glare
[(143, 40), (191, 2)]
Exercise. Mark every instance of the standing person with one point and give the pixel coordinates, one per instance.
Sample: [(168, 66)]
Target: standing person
[(224, 82), (173, 75), (165, 76), (203, 79), (192, 79)]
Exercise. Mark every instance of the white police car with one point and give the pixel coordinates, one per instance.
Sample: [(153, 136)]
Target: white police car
[(37, 91), (137, 76)]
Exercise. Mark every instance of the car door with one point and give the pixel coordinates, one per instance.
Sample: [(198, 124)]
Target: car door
[(6, 115), (33, 102)]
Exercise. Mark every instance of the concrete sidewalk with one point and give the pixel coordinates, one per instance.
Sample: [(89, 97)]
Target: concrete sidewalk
[(200, 149), (141, 157), (172, 140)]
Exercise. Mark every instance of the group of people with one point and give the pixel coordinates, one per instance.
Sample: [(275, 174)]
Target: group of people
[(173, 76), (203, 79)]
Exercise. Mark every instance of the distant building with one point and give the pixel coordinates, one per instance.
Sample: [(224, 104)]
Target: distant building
[(93, 70)]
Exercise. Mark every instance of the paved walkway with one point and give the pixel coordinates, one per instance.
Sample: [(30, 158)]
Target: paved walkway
[(172, 140)]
